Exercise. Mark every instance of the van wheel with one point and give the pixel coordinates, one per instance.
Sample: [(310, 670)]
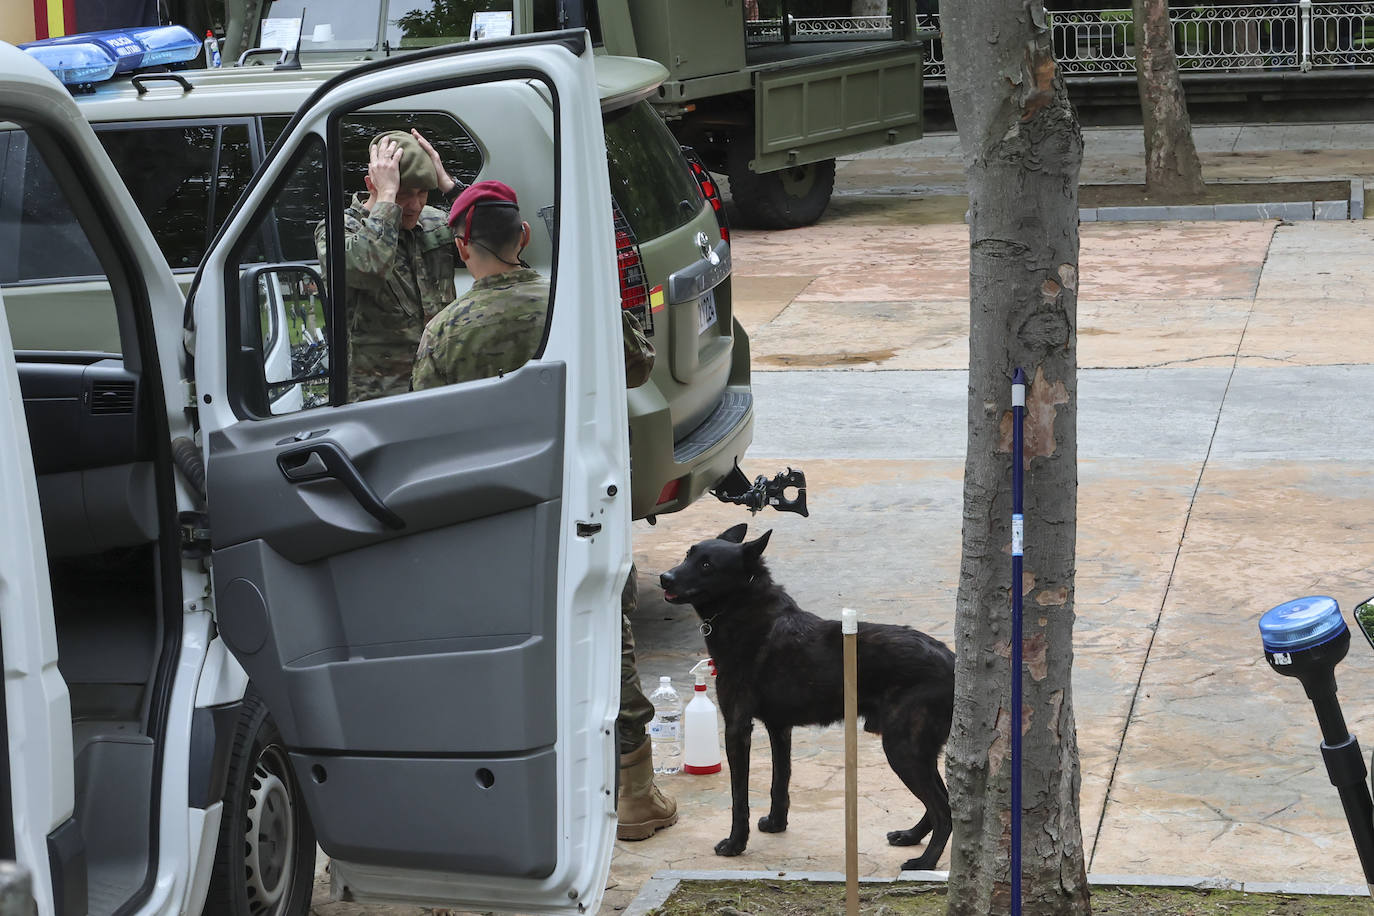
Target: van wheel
[(265, 861), (785, 199)]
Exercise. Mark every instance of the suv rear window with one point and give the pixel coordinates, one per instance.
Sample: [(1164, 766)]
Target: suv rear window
[(40, 238), (649, 178), (185, 179)]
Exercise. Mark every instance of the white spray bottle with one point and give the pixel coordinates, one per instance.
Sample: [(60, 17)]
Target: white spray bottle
[(701, 744)]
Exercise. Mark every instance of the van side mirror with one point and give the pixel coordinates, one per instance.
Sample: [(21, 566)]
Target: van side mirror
[(1364, 619), (286, 311)]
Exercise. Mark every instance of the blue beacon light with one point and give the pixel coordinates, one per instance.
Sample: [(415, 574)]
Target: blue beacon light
[(1302, 625), (1306, 638)]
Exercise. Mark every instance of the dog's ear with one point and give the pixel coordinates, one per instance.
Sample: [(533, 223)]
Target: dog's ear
[(754, 549), (734, 535)]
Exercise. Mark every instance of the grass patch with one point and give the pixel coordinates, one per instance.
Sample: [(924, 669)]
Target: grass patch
[(1236, 192), (805, 898)]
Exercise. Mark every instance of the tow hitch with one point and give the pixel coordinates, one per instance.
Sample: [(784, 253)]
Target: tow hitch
[(737, 489)]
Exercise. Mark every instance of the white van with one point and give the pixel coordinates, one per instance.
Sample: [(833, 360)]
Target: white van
[(422, 588)]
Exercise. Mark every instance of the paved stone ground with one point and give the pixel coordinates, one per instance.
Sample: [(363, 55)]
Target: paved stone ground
[(1223, 413)]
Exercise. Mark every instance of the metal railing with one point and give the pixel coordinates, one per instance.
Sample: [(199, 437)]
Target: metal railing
[(1306, 35), (824, 28)]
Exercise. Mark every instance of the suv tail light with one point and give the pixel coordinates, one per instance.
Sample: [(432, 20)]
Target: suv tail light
[(709, 190), (634, 287), (669, 491)]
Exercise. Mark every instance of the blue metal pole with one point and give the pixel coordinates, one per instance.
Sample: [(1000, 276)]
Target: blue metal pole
[(1018, 413)]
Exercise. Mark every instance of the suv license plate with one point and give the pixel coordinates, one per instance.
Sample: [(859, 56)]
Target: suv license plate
[(706, 311)]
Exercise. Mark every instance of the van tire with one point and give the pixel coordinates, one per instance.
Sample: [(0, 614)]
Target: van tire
[(265, 859), (785, 199)]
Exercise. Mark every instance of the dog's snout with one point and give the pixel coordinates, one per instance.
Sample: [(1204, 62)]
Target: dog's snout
[(665, 581)]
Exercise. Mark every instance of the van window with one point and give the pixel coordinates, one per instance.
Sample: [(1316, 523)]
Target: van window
[(455, 146), (282, 310), (649, 178), (184, 178)]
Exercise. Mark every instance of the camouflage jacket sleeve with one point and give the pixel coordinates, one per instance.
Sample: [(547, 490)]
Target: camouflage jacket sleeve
[(371, 240), (639, 352), (425, 373)]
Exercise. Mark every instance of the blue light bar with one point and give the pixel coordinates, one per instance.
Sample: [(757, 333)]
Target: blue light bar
[(123, 50), (75, 63), (1303, 623)]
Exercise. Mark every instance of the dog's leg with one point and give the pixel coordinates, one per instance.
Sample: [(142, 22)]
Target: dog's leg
[(737, 734), (937, 808), (904, 758), (915, 756), (780, 741)]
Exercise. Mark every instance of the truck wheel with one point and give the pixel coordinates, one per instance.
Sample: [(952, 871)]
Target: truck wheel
[(784, 199), (265, 861)]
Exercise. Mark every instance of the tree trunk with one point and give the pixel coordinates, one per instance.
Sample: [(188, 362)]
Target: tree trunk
[(1021, 139), (1172, 169)]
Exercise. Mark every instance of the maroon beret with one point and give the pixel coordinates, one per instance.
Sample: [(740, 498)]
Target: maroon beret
[(481, 192)]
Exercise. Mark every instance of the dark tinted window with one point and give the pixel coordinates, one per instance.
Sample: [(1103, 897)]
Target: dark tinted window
[(649, 178), (39, 235), (185, 180), (455, 146)]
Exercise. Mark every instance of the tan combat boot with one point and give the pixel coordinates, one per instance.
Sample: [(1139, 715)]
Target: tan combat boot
[(641, 807)]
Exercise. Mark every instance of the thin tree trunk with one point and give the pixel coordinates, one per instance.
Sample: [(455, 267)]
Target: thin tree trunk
[(1021, 139), (1172, 168)]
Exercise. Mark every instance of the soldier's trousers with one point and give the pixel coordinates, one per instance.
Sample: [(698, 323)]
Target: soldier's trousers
[(635, 708)]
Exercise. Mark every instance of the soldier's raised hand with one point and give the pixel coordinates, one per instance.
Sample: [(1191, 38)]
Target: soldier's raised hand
[(383, 172), (446, 181)]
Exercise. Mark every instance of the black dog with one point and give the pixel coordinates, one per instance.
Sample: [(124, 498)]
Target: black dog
[(783, 666)]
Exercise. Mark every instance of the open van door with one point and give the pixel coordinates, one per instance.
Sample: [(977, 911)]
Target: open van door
[(35, 714), (423, 587)]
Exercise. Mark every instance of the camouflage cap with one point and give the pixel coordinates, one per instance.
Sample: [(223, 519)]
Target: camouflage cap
[(417, 169)]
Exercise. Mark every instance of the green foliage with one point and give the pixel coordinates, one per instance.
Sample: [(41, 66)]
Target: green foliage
[(445, 19)]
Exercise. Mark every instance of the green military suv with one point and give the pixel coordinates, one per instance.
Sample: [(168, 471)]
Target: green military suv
[(187, 142)]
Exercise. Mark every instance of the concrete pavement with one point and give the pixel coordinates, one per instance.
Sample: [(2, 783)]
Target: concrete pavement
[(1224, 371), (1224, 417)]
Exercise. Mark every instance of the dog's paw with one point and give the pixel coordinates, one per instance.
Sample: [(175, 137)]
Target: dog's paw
[(918, 864), (770, 824), (910, 837), (730, 847)]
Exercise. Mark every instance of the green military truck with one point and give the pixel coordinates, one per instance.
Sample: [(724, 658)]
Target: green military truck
[(768, 92)]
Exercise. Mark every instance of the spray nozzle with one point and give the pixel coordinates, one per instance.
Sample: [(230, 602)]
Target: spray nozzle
[(703, 669)]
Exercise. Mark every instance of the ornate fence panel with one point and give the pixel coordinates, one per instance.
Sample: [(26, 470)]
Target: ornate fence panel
[(1341, 35), (1276, 36), (935, 49)]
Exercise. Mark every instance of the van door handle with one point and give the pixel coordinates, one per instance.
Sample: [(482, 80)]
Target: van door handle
[(327, 460)]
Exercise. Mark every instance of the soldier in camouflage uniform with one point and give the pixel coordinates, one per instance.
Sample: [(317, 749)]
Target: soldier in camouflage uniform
[(493, 329), (399, 262)]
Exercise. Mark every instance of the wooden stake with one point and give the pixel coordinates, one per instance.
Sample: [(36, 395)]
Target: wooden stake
[(849, 627)]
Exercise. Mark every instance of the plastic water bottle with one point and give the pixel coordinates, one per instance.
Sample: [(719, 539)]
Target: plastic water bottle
[(212, 58), (665, 731)]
